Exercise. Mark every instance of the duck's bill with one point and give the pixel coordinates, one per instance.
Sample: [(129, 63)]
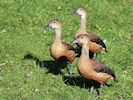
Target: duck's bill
[(74, 41), (74, 12), (47, 26)]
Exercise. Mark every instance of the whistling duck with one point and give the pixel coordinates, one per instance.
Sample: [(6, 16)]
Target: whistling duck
[(61, 51), (91, 68), (82, 30)]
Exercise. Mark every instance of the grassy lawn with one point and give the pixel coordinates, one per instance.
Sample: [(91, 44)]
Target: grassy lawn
[(22, 36)]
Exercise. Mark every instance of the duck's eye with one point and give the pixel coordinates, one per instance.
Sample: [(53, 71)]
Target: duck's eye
[(54, 21)]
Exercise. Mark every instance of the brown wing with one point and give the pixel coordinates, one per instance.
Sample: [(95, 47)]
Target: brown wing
[(71, 54), (95, 38), (100, 67), (68, 46)]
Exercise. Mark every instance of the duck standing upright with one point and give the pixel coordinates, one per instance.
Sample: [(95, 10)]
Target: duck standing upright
[(97, 41), (91, 68), (59, 50)]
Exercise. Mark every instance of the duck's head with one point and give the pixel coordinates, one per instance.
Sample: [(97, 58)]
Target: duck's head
[(81, 40), (54, 24), (80, 11)]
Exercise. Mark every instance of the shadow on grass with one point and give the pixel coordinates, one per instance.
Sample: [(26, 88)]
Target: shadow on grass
[(83, 83), (53, 67)]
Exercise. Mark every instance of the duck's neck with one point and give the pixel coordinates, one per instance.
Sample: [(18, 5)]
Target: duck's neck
[(83, 22), (85, 51), (58, 35)]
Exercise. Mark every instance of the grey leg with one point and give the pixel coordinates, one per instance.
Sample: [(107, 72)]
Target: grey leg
[(100, 90), (70, 70), (94, 56), (91, 90)]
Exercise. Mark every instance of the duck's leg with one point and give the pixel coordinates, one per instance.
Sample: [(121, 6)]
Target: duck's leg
[(99, 92), (94, 56), (70, 70), (91, 90)]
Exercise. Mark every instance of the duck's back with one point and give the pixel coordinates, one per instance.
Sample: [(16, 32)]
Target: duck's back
[(97, 39), (100, 67), (96, 71), (92, 37)]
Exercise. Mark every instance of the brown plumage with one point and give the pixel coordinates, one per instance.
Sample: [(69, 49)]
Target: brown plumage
[(93, 46), (82, 30), (96, 39), (61, 51), (90, 68)]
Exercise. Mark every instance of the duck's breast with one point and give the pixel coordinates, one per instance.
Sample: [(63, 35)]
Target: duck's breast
[(56, 51), (85, 68)]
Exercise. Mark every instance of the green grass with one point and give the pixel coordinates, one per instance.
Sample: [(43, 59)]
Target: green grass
[(22, 33)]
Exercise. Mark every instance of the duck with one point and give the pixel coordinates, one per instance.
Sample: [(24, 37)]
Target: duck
[(92, 68), (96, 40), (61, 51)]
